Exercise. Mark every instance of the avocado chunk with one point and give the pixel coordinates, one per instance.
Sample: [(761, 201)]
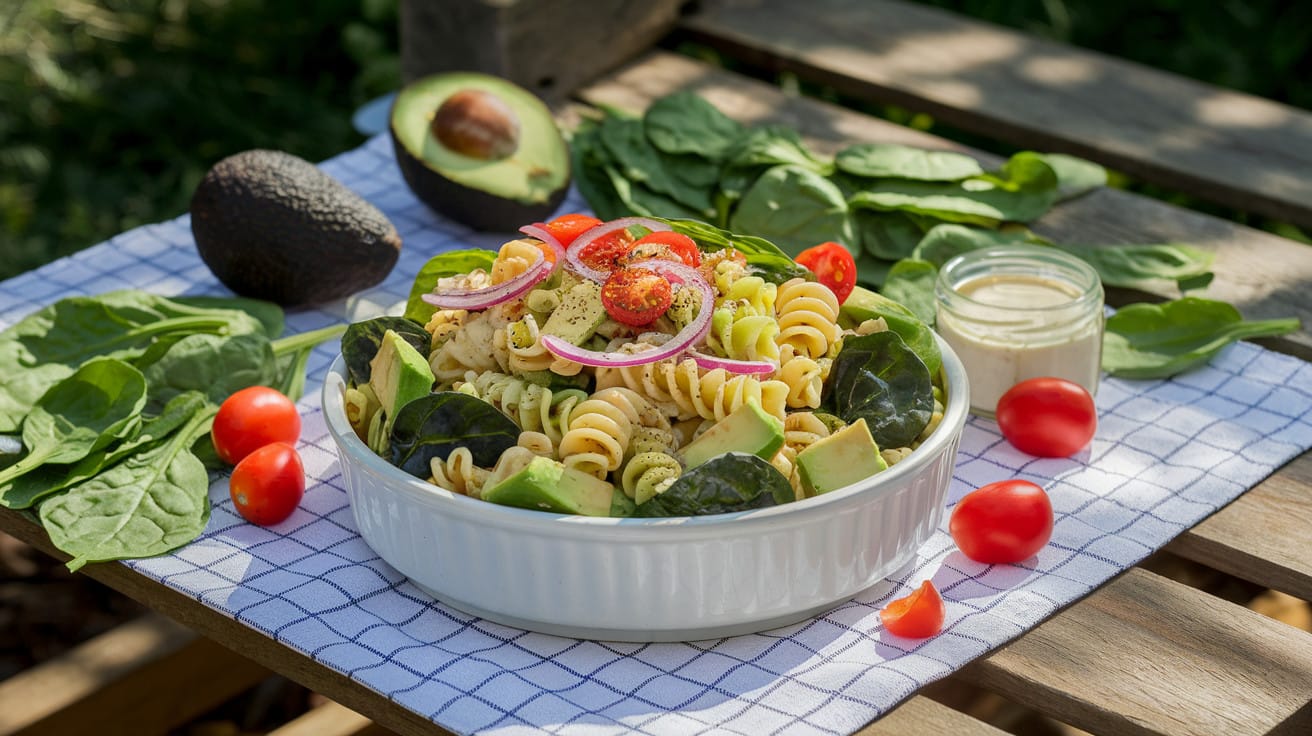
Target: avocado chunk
[(398, 374), (746, 429), (578, 315), (839, 460), (272, 226), (480, 150), (547, 485)]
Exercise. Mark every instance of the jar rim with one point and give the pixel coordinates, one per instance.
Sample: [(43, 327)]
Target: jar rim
[(1019, 259)]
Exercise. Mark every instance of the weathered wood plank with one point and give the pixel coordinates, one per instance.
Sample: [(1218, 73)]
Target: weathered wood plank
[(1147, 655), (158, 671), (922, 715), (548, 47), (1236, 149), (330, 719)]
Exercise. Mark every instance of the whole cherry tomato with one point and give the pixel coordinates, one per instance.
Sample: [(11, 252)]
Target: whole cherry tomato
[(570, 226), (917, 616), (636, 296), (267, 485), (252, 418), (682, 246), (1047, 417), (833, 265), (1006, 521)]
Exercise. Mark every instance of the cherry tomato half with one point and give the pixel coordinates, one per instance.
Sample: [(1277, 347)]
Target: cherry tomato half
[(833, 265), (1006, 521), (917, 616), (636, 296), (268, 484), (607, 252), (252, 418), (1047, 417), (682, 246), (570, 226)]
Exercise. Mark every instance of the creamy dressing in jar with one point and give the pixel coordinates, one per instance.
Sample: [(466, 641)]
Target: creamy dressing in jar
[(1017, 312)]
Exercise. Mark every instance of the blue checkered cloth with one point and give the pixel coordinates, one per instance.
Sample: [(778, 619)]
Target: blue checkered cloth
[(1167, 454)]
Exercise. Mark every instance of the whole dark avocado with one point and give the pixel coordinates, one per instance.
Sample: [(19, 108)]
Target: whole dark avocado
[(273, 226), (480, 150)]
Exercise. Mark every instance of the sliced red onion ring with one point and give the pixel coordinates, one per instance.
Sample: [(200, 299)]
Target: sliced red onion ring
[(539, 230), (587, 237), (681, 341), (711, 362), (492, 295)]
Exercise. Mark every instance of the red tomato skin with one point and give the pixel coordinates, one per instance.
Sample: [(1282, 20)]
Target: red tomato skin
[(252, 418), (636, 296), (1002, 522), (607, 252), (268, 484), (833, 266), (1047, 417), (917, 616), (681, 245), (569, 226)]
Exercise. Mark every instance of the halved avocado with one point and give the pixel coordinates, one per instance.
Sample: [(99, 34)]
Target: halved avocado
[(480, 150)]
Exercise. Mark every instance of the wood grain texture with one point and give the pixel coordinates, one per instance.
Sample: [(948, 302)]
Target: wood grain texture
[(236, 636), (1242, 151), (1147, 655), (330, 719), (924, 716), (158, 671), (534, 43)]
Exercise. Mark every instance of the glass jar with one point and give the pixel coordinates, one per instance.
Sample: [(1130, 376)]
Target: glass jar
[(1016, 312)]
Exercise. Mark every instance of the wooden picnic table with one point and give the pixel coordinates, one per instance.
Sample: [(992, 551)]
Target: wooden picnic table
[(1184, 661)]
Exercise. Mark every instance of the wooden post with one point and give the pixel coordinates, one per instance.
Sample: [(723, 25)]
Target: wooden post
[(550, 47)]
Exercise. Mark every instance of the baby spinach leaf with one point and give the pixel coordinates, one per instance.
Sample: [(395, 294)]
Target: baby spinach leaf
[(214, 365), (878, 378), (863, 304), (1024, 189), (641, 200), (149, 503), (944, 242), (1075, 176), (735, 481), (269, 315), (910, 282), (1161, 340), (641, 163), (683, 122), (894, 161), (795, 208), (588, 160), (25, 490), (361, 341), (886, 235), (770, 262), (443, 265), (1137, 265), (97, 404), (434, 425)]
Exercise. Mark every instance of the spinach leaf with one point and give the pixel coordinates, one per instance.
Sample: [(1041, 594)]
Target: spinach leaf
[(886, 235), (588, 160), (763, 148), (944, 242), (27, 489), (795, 208), (99, 403), (765, 257), (863, 304), (641, 163), (735, 481), (1075, 176), (434, 425), (213, 365), (442, 265), (1137, 265), (48, 345), (910, 282), (361, 340), (639, 199), (893, 161), (878, 378), (1161, 340), (269, 315), (1024, 189), (151, 502), (683, 122)]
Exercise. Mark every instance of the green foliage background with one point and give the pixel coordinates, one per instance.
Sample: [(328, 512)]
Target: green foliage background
[(112, 110)]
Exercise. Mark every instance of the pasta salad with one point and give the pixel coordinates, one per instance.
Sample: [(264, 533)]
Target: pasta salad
[(642, 367)]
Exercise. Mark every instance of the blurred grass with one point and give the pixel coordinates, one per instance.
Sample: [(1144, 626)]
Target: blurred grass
[(112, 110)]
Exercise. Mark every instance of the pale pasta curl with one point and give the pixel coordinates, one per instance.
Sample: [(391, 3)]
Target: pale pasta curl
[(601, 428), (808, 317), (684, 390), (534, 408)]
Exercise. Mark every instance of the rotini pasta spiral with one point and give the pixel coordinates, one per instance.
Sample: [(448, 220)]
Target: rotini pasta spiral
[(518, 349), (751, 292), (684, 390), (808, 317), (804, 376), (513, 259), (601, 428), (647, 474), (467, 349), (738, 332), (534, 408), (443, 324), (458, 473)]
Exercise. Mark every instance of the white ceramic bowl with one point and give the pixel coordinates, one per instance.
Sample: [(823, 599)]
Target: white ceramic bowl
[(671, 579)]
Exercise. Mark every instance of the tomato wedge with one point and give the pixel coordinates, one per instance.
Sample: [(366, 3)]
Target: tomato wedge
[(917, 616), (607, 252), (568, 227), (833, 266), (636, 296), (682, 246)]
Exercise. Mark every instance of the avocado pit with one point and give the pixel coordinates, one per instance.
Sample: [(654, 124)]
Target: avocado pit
[(477, 124)]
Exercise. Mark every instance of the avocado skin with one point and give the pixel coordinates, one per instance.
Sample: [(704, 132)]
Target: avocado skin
[(466, 205), (273, 226)]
